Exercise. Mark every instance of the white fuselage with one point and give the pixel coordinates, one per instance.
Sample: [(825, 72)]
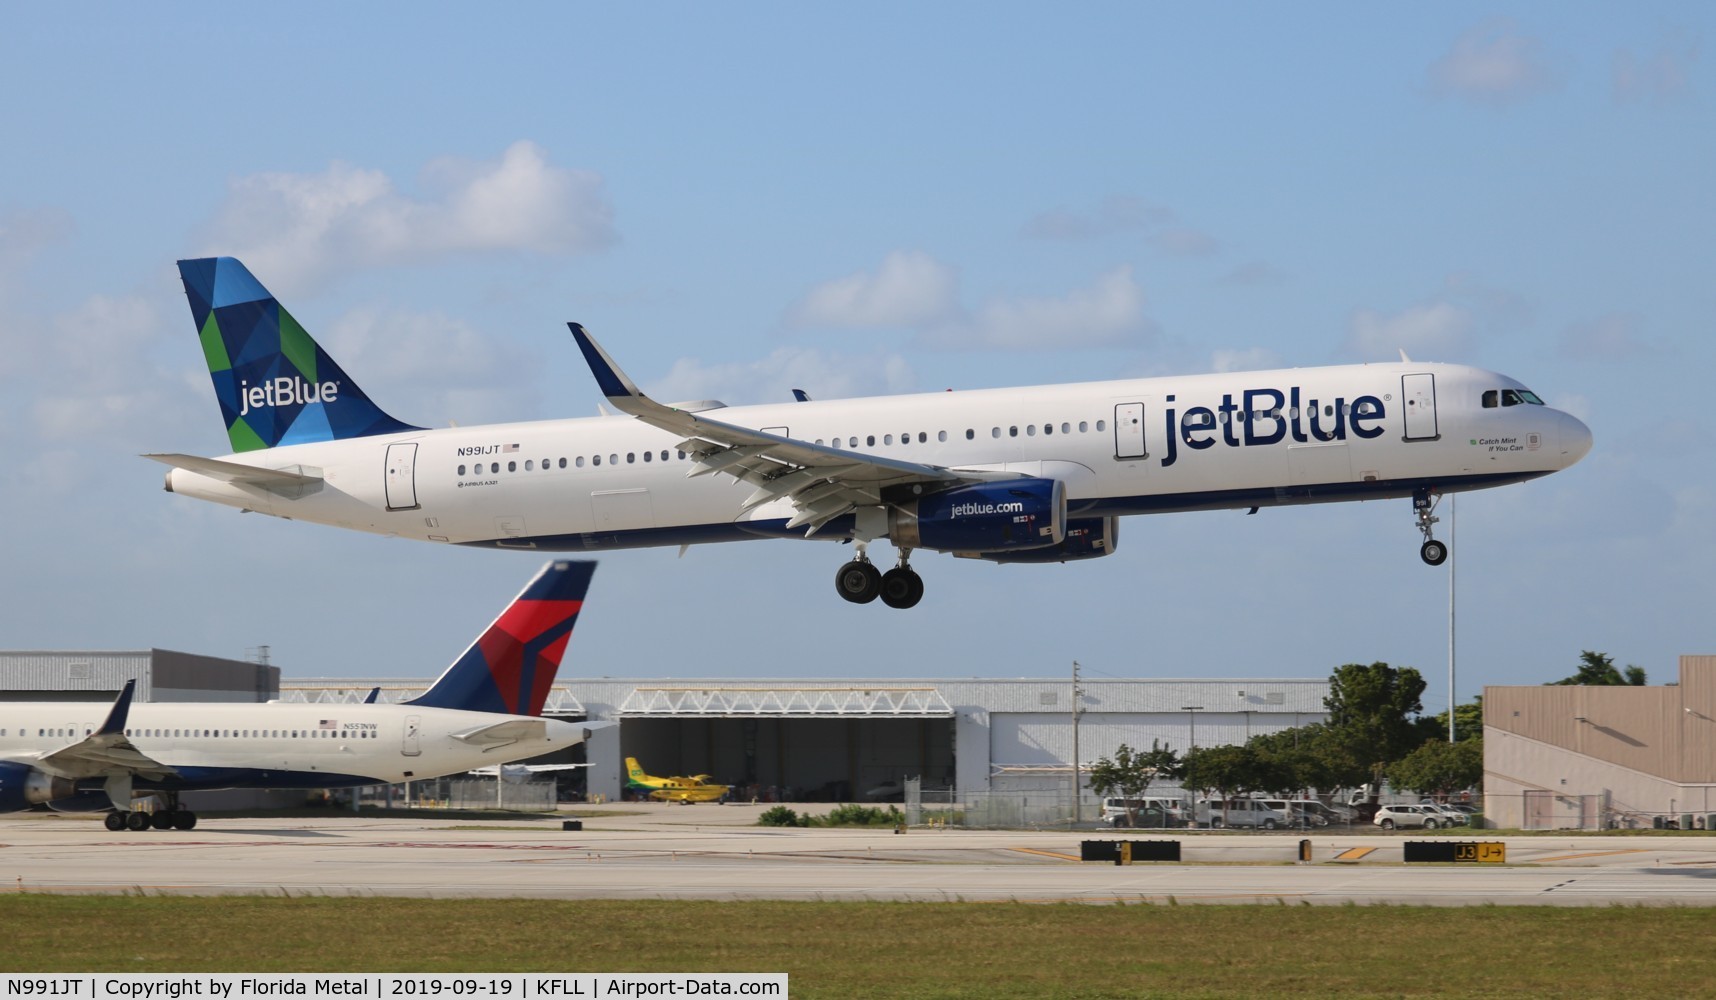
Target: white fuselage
[(276, 745), (1121, 447)]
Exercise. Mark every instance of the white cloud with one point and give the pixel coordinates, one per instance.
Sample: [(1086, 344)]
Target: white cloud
[(1118, 214), (1249, 359), (1109, 313), (1114, 214), (911, 288), (1253, 274), (1433, 332), (1612, 338), (772, 379), (1662, 78), (1493, 63), (298, 229), (428, 367)]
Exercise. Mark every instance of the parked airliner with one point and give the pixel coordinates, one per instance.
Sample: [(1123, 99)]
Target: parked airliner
[(1034, 474), (486, 709)]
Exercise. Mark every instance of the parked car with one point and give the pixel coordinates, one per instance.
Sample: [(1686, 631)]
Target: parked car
[(1153, 811), (1454, 816), (1239, 813), (1410, 817), (1303, 813)]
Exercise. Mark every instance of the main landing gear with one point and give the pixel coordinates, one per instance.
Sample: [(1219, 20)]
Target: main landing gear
[(170, 818), (860, 582), (1424, 503)]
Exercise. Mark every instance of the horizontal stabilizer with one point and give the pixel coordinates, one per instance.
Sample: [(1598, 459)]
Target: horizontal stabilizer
[(500, 734), (293, 481)]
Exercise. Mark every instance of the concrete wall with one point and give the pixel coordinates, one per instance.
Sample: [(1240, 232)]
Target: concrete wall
[(1647, 750)]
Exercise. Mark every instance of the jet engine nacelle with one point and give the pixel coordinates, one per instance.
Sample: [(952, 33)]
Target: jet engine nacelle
[(22, 786), (1087, 538), (1014, 514)]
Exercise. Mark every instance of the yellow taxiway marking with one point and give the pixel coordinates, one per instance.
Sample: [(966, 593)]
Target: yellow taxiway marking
[(1047, 854), (1590, 854), (1353, 853)]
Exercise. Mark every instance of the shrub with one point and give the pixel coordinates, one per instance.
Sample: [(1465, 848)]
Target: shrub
[(780, 816)]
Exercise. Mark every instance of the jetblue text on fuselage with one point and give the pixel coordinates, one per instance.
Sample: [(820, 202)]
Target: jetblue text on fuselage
[(1270, 416), (285, 391)]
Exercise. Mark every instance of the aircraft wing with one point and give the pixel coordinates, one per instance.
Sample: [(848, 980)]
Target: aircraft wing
[(293, 482), (822, 482), (105, 753)]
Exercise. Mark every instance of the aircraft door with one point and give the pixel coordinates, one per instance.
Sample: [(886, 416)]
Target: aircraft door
[(409, 745), (402, 476), (1419, 394), (1128, 430)]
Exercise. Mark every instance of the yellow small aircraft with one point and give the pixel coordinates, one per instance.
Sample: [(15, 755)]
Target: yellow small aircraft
[(696, 788)]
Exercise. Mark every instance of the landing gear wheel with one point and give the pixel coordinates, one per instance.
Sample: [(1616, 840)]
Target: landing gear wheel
[(902, 588), (137, 821), (162, 820), (184, 819), (1424, 503), (858, 581), (115, 821)]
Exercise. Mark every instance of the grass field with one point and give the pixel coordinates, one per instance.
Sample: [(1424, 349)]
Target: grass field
[(896, 949)]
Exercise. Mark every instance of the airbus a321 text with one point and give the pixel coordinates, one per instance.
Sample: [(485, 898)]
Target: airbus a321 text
[(486, 709), (1024, 475)]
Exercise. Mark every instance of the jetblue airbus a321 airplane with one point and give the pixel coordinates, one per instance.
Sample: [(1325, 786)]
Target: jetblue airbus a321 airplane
[(1034, 474), (486, 709)]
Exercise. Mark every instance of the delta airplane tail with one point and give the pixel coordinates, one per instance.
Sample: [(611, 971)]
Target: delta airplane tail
[(511, 666), (275, 385)]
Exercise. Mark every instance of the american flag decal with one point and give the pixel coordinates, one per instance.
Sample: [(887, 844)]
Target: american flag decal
[(505, 448), (328, 724)]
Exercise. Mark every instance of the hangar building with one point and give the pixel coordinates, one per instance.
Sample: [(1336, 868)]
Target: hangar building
[(837, 740), (161, 675), (1586, 758)]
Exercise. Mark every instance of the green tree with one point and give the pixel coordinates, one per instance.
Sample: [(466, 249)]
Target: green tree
[(1439, 767), (1468, 721), (1229, 769), (1370, 715), (1130, 773), (1308, 757), (1598, 669)]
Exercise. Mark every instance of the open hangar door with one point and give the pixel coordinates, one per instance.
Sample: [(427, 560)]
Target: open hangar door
[(793, 744)]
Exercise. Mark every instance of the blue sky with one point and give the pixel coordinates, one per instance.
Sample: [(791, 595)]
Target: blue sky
[(744, 200)]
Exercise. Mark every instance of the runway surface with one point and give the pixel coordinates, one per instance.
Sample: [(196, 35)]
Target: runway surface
[(705, 852)]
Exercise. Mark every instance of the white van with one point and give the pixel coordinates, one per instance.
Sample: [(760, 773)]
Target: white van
[(1250, 814), (1150, 811)]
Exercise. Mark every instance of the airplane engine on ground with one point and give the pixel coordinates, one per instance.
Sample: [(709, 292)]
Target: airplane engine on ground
[(1087, 538), (1016, 514), (22, 786)]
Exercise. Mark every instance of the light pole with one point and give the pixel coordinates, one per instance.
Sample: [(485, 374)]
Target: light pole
[(1077, 696), (1453, 700), (1192, 721)]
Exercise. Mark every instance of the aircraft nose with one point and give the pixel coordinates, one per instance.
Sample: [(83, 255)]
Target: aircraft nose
[(1575, 438)]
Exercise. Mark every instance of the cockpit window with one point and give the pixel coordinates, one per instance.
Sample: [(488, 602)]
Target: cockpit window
[(1510, 397)]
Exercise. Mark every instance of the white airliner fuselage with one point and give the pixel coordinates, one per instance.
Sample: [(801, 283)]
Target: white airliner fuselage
[(213, 745), (1033, 474), (1125, 447)]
